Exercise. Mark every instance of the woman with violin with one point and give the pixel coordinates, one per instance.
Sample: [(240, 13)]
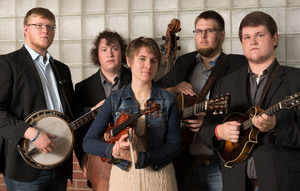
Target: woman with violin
[(142, 152)]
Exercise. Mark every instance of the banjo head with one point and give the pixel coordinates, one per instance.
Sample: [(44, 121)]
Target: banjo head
[(57, 124)]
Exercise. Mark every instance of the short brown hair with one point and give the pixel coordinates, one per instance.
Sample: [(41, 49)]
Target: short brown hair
[(150, 44), (258, 18), (212, 15), (39, 11), (110, 37)]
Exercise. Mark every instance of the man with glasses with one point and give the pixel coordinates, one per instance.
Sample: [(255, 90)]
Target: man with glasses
[(189, 75), (31, 80)]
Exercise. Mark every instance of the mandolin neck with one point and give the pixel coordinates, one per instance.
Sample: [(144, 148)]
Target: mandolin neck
[(270, 111)]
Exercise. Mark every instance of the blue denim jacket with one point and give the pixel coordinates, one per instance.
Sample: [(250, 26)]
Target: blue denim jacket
[(163, 132)]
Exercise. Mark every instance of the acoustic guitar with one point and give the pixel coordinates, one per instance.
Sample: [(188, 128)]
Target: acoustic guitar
[(233, 153), (188, 109)]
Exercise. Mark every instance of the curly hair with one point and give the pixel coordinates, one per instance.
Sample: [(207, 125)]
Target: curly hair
[(110, 37)]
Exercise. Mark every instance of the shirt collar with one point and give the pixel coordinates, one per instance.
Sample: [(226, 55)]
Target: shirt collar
[(211, 63), (35, 56), (266, 71), (104, 80)]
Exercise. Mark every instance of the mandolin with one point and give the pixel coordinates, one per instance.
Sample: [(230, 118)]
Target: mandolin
[(233, 153), (170, 47)]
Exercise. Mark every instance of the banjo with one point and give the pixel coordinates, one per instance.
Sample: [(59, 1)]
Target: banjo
[(56, 123)]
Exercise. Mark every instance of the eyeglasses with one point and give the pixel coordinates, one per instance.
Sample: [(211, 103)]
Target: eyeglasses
[(40, 26), (206, 31)]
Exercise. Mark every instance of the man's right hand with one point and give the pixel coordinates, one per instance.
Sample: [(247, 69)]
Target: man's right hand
[(229, 131), (184, 88), (43, 141)]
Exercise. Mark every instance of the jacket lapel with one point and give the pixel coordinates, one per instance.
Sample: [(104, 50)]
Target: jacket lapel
[(29, 63)]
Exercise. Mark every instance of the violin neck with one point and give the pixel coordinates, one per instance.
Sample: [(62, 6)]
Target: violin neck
[(126, 123)]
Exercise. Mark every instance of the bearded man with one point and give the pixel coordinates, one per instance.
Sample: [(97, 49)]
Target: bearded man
[(188, 76)]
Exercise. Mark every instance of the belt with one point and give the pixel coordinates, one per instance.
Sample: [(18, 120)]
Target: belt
[(205, 159)]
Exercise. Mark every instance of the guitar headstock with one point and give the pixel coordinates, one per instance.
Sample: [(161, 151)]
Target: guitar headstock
[(290, 101), (219, 105)]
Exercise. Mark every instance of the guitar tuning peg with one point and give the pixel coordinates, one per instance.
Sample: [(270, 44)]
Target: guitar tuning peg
[(177, 37), (162, 47), (163, 37), (178, 47), (215, 112), (220, 112)]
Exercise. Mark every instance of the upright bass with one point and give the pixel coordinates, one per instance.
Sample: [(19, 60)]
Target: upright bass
[(170, 47)]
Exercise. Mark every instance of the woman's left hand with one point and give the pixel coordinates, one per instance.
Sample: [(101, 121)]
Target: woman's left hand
[(121, 149)]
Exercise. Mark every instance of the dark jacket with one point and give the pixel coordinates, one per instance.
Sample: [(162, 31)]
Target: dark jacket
[(88, 93), (21, 93), (276, 157)]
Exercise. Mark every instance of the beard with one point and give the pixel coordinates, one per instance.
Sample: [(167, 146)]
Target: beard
[(206, 52)]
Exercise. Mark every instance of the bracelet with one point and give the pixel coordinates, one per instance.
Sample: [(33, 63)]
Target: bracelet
[(217, 133), (36, 136)]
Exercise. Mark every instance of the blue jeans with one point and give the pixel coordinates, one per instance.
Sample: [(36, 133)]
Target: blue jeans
[(201, 177), (48, 180)]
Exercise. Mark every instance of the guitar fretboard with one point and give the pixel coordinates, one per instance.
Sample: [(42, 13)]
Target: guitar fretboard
[(192, 110)]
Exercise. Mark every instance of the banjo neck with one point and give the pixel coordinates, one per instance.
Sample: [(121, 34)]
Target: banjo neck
[(83, 120)]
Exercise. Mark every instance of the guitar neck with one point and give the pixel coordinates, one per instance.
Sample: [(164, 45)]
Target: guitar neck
[(83, 120), (193, 110), (126, 123)]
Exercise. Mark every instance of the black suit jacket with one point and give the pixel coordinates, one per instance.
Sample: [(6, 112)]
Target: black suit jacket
[(21, 93), (276, 158), (88, 93), (185, 64)]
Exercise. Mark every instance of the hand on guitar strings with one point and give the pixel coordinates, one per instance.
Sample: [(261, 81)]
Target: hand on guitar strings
[(121, 149), (195, 124), (264, 122), (229, 131), (184, 88)]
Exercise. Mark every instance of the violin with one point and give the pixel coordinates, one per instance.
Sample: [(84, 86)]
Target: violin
[(115, 132), (170, 47), (98, 169)]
